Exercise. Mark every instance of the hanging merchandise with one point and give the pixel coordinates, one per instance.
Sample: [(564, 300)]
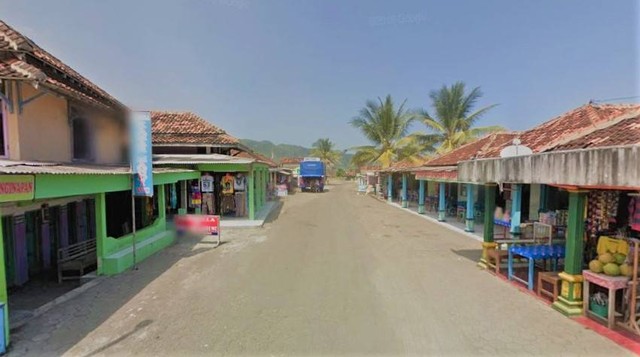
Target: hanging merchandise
[(241, 204), (240, 183), (603, 208), (173, 196), (206, 183), (196, 196), (227, 204), (227, 184), (208, 203), (634, 213), (601, 211)]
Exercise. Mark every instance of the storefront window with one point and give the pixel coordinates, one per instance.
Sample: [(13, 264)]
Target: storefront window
[(118, 206)]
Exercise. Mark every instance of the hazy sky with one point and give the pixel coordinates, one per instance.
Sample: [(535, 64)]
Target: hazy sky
[(293, 70)]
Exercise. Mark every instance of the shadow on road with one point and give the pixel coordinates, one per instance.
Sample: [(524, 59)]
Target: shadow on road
[(138, 327), (98, 305), (275, 213), (471, 254)]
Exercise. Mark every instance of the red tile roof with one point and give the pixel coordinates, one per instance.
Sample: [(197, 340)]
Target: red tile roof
[(406, 165), (573, 123), (486, 147), (290, 160), (558, 130), (623, 132), (187, 128), (438, 174), (23, 59), (254, 155)]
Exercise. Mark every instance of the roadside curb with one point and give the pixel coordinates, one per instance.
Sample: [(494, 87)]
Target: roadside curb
[(57, 301), (433, 220)]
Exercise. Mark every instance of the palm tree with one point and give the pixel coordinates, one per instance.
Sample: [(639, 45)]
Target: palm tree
[(324, 149), (385, 126), (453, 121)]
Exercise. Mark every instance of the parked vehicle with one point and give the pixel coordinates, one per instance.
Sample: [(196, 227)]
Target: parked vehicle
[(312, 175)]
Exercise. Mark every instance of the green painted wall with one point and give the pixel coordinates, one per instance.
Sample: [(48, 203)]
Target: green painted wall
[(115, 255), (173, 177), (50, 186), (224, 167)]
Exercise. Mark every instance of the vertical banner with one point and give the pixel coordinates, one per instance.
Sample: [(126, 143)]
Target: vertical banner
[(141, 160)]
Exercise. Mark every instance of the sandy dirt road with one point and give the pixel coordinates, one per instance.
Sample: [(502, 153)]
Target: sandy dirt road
[(334, 274)]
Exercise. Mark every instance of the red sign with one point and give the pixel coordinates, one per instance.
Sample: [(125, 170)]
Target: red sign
[(198, 224)]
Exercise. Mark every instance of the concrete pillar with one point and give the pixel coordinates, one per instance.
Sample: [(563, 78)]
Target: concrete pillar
[(101, 229), (162, 203), (516, 208), (570, 300), (442, 202), (390, 188), (421, 197), (471, 214), (405, 202), (184, 199), (487, 236)]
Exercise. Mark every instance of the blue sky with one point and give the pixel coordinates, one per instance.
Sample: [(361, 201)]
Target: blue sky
[(292, 71)]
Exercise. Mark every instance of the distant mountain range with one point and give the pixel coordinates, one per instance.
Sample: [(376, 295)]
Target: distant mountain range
[(278, 151)]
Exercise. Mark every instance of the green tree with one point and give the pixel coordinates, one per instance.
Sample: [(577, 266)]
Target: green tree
[(385, 126), (325, 150), (453, 119)]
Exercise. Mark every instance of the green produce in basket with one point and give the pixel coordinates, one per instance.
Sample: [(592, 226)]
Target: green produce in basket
[(611, 269), (626, 270), (619, 258), (596, 266), (605, 258)]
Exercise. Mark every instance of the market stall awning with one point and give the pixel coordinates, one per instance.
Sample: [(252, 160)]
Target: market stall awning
[(599, 167), (437, 173), (180, 159)]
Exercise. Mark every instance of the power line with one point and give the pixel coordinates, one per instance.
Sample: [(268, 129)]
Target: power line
[(614, 99)]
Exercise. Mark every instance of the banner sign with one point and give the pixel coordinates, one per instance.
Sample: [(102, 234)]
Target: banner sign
[(141, 159), (198, 224), (16, 188)]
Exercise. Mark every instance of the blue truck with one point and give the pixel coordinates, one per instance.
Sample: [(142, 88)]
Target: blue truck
[(312, 175)]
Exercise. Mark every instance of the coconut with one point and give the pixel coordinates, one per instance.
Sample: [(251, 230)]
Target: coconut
[(626, 270), (611, 269), (605, 258), (619, 258), (596, 266)]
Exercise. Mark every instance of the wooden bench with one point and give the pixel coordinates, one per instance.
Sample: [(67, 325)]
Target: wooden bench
[(76, 257), (495, 257), (552, 279)]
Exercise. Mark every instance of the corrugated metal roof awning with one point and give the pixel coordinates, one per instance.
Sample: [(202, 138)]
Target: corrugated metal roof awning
[(52, 168), (200, 159)]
